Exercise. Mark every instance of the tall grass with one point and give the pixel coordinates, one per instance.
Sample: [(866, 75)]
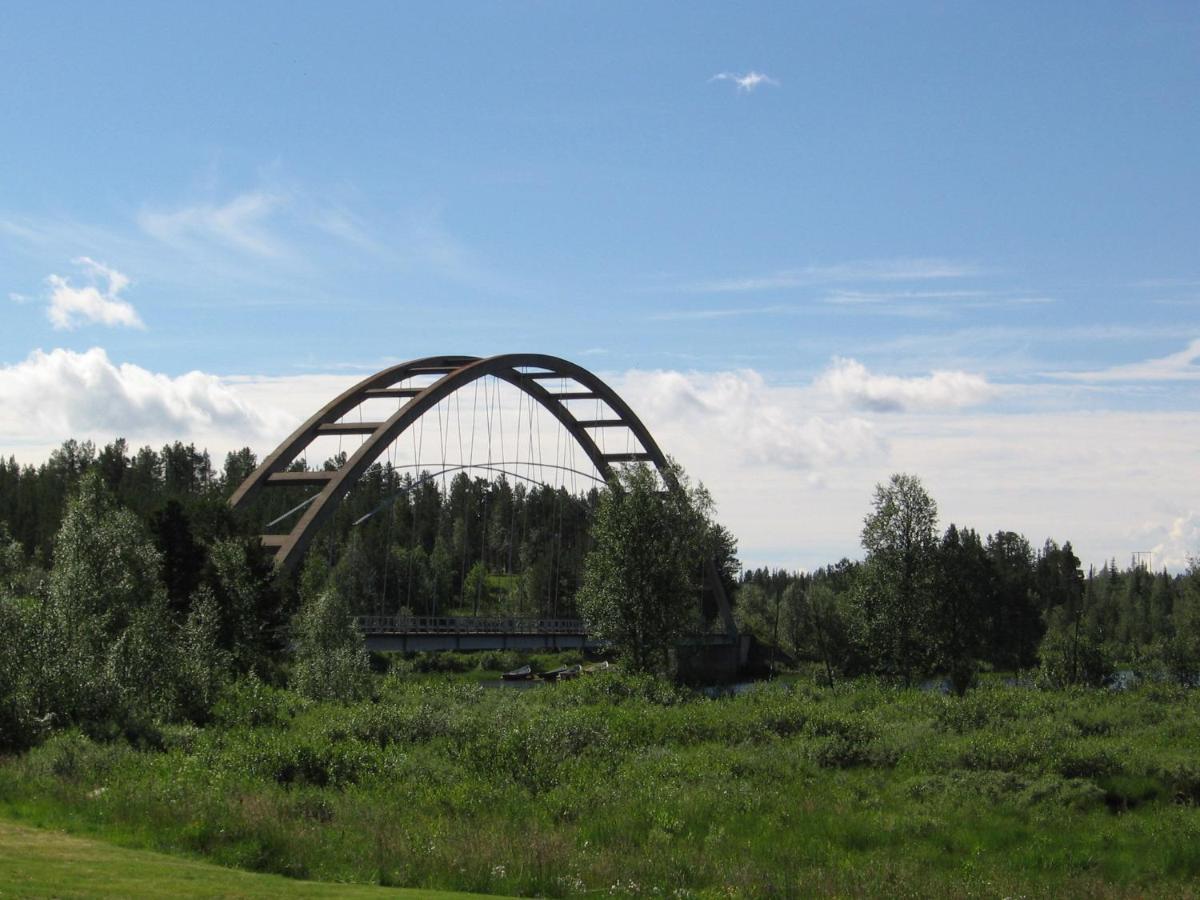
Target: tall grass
[(627, 785)]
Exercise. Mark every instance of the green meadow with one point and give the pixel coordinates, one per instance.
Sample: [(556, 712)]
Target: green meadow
[(626, 785)]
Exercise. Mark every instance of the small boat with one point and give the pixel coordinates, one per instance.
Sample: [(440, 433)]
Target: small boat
[(570, 672), (553, 674), (594, 668), (522, 674)]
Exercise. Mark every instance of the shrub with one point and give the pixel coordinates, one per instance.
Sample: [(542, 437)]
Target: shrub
[(842, 752), (1084, 759), (288, 758), (331, 662), (72, 756), (615, 686), (18, 726), (251, 702)]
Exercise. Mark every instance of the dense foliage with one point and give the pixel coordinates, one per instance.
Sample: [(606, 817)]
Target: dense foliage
[(643, 575)]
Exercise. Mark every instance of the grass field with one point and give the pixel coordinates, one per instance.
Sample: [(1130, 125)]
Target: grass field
[(36, 862), (626, 786)]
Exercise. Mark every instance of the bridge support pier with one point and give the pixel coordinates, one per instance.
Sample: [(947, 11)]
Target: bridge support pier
[(717, 661)]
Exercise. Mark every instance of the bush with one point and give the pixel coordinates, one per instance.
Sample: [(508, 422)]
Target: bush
[(289, 758), (614, 686), (331, 661), (841, 752), (18, 725), (1083, 759), (74, 757), (251, 702)]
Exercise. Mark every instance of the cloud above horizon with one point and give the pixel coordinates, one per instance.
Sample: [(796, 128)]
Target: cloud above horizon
[(98, 302), (63, 393), (741, 409), (850, 383), (790, 465)]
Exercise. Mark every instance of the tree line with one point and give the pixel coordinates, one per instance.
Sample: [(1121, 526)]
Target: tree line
[(927, 603), (130, 593), (401, 542)]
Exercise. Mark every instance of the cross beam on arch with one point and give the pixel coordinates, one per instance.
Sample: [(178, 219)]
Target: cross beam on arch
[(530, 372)]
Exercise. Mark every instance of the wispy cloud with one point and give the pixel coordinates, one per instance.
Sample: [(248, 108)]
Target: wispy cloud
[(969, 299), (240, 224), (855, 298), (863, 270), (684, 315), (99, 301), (746, 82), (905, 303), (275, 245), (1155, 283), (1181, 366)]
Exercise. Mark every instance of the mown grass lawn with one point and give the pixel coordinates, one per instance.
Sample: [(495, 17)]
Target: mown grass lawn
[(36, 862)]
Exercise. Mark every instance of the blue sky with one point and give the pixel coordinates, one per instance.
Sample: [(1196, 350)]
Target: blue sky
[(1005, 194)]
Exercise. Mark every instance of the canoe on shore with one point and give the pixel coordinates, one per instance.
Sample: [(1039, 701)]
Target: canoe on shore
[(522, 674), (562, 673)]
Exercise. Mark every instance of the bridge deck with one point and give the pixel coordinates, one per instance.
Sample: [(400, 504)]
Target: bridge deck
[(467, 625)]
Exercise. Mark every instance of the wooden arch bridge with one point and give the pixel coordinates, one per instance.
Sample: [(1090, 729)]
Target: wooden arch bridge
[(562, 388)]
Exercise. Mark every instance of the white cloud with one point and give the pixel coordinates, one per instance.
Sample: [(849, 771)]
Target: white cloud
[(747, 82), (739, 410), (52, 396), (850, 383), (240, 224), (793, 477), (1180, 544), (99, 301), (1181, 366)]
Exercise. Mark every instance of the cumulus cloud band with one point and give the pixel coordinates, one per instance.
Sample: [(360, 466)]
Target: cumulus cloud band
[(850, 382), (66, 393)]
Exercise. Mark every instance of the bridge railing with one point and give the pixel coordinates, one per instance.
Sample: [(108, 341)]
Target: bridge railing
[(466, 625)]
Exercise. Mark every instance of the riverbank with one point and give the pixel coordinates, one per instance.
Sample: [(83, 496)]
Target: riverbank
[(629, 786)]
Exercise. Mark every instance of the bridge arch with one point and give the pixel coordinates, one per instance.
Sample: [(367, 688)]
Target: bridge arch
[(526, 371)]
